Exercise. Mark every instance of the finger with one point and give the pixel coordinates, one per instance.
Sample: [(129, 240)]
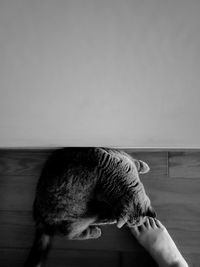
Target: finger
[(121, 221), (134, 230), (152, 222), (158, 223), (147, 223)]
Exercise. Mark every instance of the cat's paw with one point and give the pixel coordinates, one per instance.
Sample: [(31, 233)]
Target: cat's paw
[(92, 232), (95, 232)]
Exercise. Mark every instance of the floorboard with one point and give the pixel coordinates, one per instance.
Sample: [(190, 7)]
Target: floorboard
[(140, 259), (22, 161), (184, 164), (17, 230), (17, 192), (152, 158), (173, 185), (62, 258)]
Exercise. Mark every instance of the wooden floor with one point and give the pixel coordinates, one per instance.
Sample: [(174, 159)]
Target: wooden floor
[(173, 185)]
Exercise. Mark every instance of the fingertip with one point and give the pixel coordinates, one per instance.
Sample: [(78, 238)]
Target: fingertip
[(152, 222), (147, 223), (121, 222), (158, 223), (119, 225)]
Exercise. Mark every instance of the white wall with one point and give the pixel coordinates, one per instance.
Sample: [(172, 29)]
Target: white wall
[(112, 73)]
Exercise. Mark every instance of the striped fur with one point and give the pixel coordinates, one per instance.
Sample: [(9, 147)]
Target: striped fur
[(81, 188)]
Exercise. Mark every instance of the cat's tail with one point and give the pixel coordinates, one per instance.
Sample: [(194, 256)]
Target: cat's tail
[(40, 249)]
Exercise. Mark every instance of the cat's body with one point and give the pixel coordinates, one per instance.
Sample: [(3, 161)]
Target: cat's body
[(80, 188)]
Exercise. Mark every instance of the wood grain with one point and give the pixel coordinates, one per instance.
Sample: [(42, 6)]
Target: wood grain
[(177, 203), (17, 230), (17, 192), (140, 259), (30, 162), (184, 164), (22, 161), (181, 218), (12, 257), (193, 259), (79, 258), (62, 258), (157, 161)]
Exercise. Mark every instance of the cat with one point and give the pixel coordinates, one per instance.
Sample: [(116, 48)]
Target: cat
[(81, 188)]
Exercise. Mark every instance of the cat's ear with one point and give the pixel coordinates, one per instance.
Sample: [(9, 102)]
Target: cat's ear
[(122, 221), (142, 167)]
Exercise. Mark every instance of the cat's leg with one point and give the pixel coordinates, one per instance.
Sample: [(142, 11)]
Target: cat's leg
[(104, 212), (80, 229), (128, 206), (92, 232), (113, 209)]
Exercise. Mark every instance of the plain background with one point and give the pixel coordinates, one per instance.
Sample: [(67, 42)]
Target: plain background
[(112, 73)]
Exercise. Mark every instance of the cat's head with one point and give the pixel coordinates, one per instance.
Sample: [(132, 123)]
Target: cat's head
[(137, 213), (140, 207)]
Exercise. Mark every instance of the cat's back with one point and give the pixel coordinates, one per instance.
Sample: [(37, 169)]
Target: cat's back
[(69, 166), (66, 183), (74, 169), (69, 179), (84, 157)]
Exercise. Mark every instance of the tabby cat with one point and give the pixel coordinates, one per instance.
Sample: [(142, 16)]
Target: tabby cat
[(81, 188)]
